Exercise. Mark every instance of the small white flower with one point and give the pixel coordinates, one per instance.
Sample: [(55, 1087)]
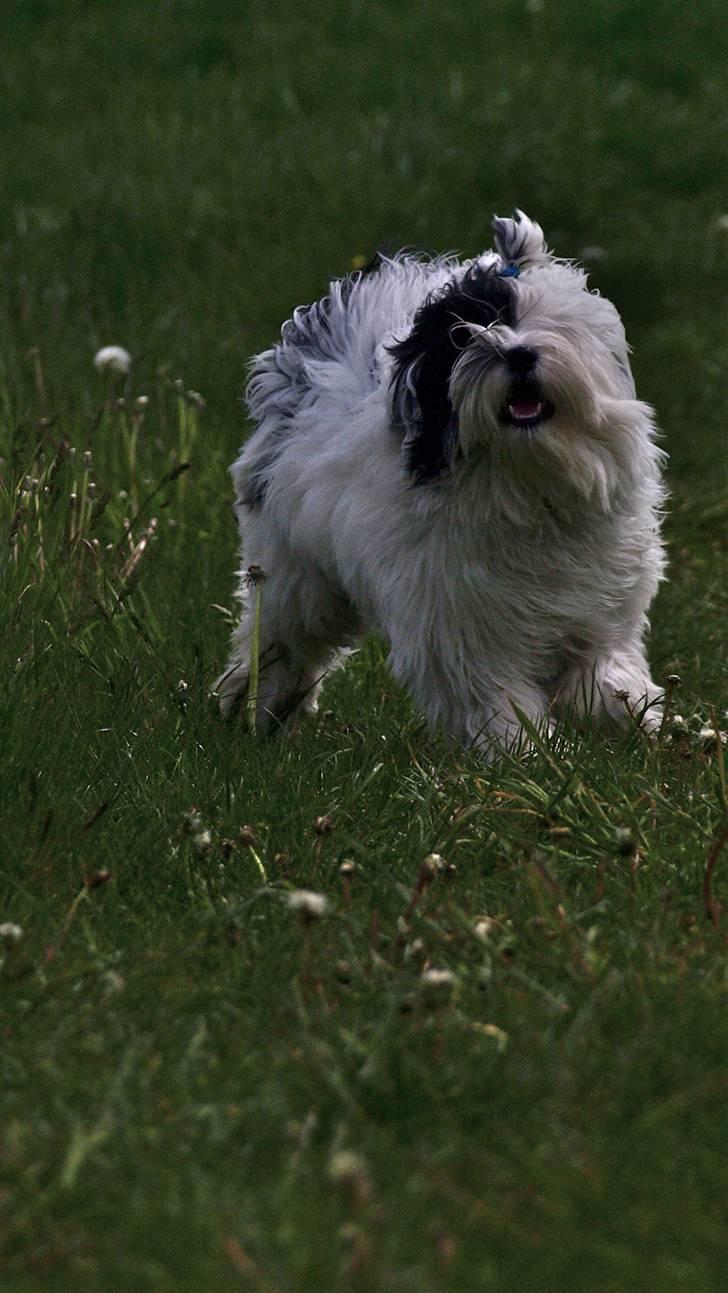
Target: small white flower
[(625, 841), (492, 1030), (415, 951), (10, 933), (345, 1165), (438, 978), (193, 823), (349, 1172), (709, 738), (113, 983), (312, 906), (432, 865), (485, 928), (113, 359)]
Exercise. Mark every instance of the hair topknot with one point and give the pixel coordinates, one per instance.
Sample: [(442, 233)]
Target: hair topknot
[(519, 241)]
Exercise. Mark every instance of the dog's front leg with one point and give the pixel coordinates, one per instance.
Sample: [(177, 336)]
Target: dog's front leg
[(615, 685), (478, 712)]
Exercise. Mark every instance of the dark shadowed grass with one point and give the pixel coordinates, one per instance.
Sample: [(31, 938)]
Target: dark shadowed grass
[(503, 1069)]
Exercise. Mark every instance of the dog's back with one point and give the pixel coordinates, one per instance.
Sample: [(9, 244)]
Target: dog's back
[(330, 352)]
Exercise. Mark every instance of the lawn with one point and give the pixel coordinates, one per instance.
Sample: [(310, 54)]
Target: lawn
[(201, 1088)]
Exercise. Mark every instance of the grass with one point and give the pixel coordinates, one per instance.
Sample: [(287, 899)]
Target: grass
[(201, 1089)]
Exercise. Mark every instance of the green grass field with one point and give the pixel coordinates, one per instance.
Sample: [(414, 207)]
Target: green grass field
[(200, 1090)]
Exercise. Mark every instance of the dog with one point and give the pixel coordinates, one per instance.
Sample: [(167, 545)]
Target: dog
[(452, 454)]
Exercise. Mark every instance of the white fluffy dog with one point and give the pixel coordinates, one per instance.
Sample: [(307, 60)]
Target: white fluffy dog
[(452, 454)]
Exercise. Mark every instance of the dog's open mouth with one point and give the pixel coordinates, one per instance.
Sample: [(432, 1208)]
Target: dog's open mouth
[(526, 405)]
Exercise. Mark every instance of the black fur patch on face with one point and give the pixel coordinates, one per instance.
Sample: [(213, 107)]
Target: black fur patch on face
[(424, 361)]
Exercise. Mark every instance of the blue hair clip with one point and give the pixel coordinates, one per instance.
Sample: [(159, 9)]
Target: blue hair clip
[(510, 270)]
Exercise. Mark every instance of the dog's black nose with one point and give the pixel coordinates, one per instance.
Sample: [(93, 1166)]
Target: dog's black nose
[(521, 359)]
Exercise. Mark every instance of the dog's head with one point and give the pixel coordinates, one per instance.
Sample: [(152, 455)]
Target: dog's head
[(516, 354)]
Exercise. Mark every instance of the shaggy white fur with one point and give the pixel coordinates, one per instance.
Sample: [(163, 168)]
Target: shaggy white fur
[(453, 455)]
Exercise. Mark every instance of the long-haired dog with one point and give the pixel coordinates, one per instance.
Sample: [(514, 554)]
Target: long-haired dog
[(452, 454)]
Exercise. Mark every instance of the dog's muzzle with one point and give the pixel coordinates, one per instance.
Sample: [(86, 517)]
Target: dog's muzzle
[(526, 404)]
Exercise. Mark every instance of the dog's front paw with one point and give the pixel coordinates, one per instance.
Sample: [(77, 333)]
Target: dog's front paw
[(642, 707)]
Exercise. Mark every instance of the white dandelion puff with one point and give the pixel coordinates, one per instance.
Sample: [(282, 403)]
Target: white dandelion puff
[(485, 927), (310, 905), (434, 978), (113, 359), (709, 738), (10, 933)]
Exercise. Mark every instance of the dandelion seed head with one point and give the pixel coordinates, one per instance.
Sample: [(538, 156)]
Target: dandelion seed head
[(485, 928), (192, 822), (433, 863), (98, 878), (113, 359), (310, 905), (114, 984), (709, 738), (625, 840), (348, 1168), (416, 950), (10, 933), (434, 978), (323, 825)]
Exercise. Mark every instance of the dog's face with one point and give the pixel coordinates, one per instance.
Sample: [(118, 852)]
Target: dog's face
[(515, 354)]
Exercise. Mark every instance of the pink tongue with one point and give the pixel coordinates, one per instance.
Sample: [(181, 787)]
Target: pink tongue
[(523, 410)]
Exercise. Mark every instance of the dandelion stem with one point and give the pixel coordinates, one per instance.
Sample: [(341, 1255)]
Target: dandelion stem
[(254, 673)]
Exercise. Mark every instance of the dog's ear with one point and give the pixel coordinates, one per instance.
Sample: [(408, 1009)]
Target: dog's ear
[(519, 241), (424, 360), (421, 406)]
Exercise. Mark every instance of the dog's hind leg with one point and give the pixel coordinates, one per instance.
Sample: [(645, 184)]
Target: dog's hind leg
[(304, 629)]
